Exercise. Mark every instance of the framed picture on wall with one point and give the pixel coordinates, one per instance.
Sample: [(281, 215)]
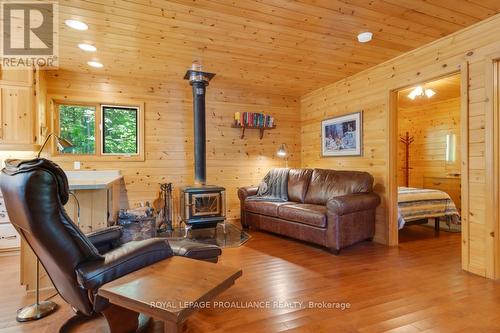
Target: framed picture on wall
[(342, 136)]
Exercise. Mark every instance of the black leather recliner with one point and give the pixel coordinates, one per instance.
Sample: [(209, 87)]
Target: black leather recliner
[(35, 192)]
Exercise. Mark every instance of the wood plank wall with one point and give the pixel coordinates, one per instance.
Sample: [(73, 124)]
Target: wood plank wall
[(370, 91), (231, 161), (428, 124)]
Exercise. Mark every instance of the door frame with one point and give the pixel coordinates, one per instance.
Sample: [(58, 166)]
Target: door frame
[(492, 160), (392, 133)]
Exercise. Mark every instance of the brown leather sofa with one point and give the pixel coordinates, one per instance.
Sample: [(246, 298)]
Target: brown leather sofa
[(331, 208)]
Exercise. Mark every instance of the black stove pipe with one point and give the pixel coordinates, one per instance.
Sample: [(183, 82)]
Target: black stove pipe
[(200, 163), (199, 81)]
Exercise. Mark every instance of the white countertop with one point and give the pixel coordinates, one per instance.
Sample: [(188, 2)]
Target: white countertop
[(92, 180)]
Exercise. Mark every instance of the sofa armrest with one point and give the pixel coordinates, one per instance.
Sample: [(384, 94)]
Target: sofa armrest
[(353, 203), (245, 192)]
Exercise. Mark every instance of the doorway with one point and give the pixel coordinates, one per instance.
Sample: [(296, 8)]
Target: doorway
[(426, 158)]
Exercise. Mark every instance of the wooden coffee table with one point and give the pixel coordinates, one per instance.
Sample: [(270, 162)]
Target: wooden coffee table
[(169, 290)]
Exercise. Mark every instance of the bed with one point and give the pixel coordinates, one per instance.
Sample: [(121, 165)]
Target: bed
[(420, 204)]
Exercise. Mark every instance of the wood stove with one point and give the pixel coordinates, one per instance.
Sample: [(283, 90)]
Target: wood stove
[(201, 205)]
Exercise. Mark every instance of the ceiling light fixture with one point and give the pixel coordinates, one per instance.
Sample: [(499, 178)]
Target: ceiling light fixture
[(365, 37), (429, 93), (95, 64), (87, 47), (420, 91), (77, 25)]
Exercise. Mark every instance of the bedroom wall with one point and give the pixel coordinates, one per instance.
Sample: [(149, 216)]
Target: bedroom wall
[(428, 124), (231, 162), (370, 91)]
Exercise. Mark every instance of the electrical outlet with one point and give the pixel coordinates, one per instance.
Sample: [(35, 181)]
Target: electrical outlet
[(76, 165)]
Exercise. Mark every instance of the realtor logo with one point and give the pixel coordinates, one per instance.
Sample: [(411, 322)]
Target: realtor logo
[(29, 34)]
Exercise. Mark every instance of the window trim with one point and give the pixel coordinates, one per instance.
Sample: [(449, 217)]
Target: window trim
[(99, 155)]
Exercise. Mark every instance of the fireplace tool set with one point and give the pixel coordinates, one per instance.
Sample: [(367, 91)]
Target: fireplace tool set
[(163, 205)]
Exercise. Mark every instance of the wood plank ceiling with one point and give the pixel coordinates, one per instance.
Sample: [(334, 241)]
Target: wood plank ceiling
[(282, 46)]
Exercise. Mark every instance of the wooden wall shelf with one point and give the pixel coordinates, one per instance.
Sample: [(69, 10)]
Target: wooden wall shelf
[(261, 129)]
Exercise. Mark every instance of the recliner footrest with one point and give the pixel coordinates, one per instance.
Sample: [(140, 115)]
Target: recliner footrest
[(189, 249)]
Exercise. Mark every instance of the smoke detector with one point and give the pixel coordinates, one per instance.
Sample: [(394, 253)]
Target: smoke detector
[(365, 37)]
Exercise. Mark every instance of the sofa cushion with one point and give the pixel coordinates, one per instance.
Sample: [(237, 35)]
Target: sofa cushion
[(314, 215), (327, 184), (268, 208), (298, 182)]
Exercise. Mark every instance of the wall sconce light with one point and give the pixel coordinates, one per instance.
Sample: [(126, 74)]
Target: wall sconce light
[(283, 153), (451, 146)]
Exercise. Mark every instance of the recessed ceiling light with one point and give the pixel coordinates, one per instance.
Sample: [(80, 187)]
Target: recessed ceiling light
[(77, 25), (95, 64), (365, 37), (87, 47)]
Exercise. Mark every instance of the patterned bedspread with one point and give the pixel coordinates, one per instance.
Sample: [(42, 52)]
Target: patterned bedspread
[(419, 203)]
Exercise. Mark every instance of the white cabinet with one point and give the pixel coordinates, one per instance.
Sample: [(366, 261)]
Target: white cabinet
[(9, 238)]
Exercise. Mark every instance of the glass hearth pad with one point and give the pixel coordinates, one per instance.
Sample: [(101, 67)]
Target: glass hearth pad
[(231, 237)]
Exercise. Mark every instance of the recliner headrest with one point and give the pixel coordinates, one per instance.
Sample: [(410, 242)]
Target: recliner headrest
[(15, 166)]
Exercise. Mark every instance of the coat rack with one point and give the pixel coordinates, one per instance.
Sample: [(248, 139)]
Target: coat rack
[(407, 140)]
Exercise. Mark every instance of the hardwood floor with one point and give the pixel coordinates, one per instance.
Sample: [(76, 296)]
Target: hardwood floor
[(417, 287)]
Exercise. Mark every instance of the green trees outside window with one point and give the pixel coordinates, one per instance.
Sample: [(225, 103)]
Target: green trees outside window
[(77, 125), (119, 130)]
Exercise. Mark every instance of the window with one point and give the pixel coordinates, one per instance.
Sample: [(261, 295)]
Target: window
[(101, 130), (119, 127), (77, 125)]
